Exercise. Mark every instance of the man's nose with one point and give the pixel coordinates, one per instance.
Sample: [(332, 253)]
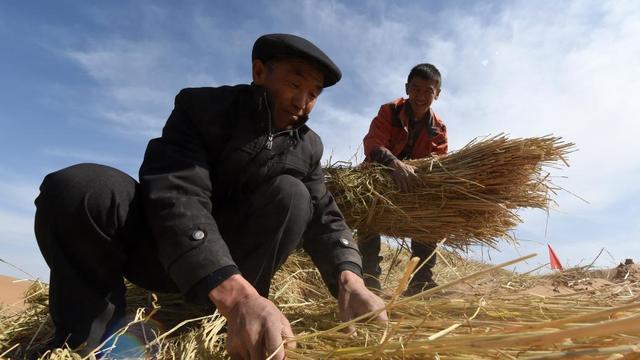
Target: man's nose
[(299, 101)]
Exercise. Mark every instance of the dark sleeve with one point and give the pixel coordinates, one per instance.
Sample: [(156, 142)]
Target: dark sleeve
[(176, 193), (441, 141), (328, 239), (378, 139), (382, 156)]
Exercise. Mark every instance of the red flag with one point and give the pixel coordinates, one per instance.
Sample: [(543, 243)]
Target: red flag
[(553, 259)]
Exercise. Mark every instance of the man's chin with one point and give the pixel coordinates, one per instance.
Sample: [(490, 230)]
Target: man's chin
[(285, 122), (420, 108)]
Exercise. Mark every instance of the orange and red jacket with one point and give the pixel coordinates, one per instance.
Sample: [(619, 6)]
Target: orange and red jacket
[(389, 133)]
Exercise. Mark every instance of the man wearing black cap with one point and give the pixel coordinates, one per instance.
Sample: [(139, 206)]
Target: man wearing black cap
[(229, 190)]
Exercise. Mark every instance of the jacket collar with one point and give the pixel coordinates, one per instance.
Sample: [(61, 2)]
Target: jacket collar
[(263, 105), (407, 111), (407, 114)]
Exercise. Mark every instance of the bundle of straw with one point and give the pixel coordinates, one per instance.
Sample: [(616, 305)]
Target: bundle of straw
[(468, 196)]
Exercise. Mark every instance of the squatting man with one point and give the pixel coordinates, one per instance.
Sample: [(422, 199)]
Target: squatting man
[(232, 187)]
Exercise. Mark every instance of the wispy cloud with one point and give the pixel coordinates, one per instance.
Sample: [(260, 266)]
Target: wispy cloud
[(568, 70), (18, 194), (138, 79), (15, 224), (80, 155), (17, 242), (133, 98)]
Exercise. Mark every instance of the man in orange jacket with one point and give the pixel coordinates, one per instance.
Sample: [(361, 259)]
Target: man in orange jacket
[(406, 129)]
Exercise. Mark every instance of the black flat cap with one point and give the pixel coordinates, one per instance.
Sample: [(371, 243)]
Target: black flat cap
[(279, 46)]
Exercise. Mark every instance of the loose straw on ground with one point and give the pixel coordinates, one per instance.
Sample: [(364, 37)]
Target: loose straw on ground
[(498, 323)]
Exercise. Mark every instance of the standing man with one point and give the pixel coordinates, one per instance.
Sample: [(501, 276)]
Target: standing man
[(229, 190), (406, 129)]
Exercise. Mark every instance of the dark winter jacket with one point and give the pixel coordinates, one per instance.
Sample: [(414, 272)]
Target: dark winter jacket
[(216, 147)]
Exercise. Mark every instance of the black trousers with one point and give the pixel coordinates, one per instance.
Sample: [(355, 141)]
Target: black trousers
[(370, 249), (92, 232)]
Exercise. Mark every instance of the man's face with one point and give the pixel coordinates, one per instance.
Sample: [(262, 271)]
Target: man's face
[(294, 86), (422, 93)]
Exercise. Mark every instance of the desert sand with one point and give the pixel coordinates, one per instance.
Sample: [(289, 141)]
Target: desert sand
[(12, 292)]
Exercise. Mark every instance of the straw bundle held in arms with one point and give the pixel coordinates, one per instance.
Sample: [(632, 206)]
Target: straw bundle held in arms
[(468, 196)]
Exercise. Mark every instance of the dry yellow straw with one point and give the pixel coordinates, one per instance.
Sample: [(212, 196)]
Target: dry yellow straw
[(469, 196)]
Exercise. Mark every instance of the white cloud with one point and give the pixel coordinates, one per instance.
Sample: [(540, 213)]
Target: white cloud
[(17, 194), (338, 129), (15, 224), (133, 98), (137, 79), (17, 241), (558, 71), (78, 155)]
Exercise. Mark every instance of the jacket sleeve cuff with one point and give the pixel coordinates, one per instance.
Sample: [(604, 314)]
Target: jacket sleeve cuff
[(350, 266), (199, 293), (197, 263), (333, 254), (383, 156)]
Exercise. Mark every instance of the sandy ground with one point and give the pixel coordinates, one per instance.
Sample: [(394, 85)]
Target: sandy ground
[(11, 293)]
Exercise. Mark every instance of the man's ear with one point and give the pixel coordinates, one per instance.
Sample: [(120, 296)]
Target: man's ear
[(437, 94), (259, 72), (406, 88)]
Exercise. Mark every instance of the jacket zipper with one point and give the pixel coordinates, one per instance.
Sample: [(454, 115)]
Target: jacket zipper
[(269, 143)]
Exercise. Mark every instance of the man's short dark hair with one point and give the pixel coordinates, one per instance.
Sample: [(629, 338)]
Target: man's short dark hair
[(425, 71)]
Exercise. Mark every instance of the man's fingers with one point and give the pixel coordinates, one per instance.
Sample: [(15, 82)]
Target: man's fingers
[(272, 342), (405, 177), (382, 316), (287, 334), (235, 349), (257, 349), (349, 330), (413, 178), (239, 354), (413, 181), (402, 185), (410, 183), (401, 180), (397, 179)]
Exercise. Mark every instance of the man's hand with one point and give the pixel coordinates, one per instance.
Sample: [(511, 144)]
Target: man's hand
[(404, 175), (255, 326), (354, 299)]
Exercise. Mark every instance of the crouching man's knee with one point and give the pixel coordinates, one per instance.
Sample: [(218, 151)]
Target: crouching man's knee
[(82, 202), (287, 195)]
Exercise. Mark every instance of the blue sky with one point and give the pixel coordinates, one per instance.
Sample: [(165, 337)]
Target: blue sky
[(93, 82)]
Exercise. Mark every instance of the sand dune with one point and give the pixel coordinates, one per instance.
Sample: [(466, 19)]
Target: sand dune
[(11, 293)]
